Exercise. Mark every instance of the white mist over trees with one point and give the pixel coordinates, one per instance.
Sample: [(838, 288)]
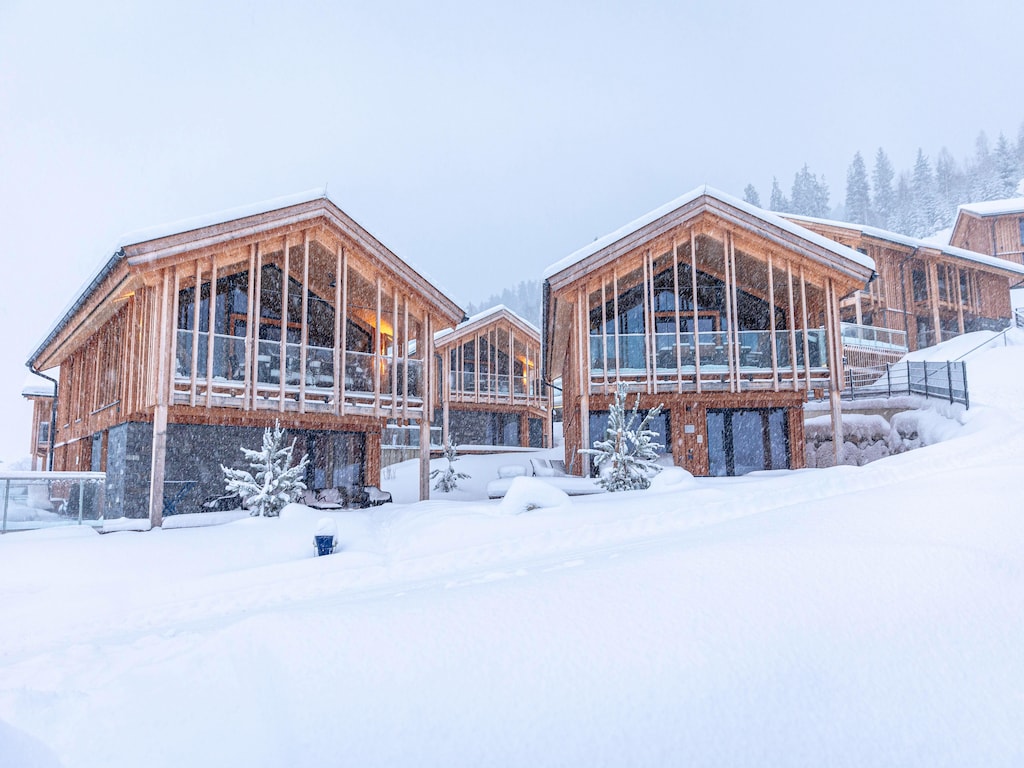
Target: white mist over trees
[(917, 201), (524, 300)]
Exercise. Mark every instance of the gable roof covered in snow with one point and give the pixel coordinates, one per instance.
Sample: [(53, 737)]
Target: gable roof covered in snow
[(979, 259), (485, 317), (147, 249), (737, 212)]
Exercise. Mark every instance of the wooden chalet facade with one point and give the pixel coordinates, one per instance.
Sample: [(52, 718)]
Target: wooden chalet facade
[(188, 343), (492, 393), (725, 314), (995, 228), (39, 392), (927, 291)]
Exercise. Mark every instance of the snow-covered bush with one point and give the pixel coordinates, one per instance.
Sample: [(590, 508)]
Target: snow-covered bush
[(275, 483), (448, 478), (627, 457)]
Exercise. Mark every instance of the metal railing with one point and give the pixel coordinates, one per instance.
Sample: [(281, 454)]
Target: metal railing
[(48, 499), (941, 380)]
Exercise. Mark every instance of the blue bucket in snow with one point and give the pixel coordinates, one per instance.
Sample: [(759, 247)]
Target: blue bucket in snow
[(324, 545)]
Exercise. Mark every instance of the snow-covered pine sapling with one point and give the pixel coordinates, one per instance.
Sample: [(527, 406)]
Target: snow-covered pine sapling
[(448, 478), (275, 482), (627, 456)]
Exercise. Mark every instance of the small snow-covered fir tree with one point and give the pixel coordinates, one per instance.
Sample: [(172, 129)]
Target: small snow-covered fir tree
[(275, 483), (448, 478), (627, 456)]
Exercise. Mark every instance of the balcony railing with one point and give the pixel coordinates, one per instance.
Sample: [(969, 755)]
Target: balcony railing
[(318, 377), (491, 384), (629, 353), (872, 336)]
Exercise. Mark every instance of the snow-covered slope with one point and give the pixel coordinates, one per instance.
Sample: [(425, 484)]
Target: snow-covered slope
[(849, 616)]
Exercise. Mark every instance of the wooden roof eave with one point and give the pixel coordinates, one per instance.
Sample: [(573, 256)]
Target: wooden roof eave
[(81, 321), (473, 328)]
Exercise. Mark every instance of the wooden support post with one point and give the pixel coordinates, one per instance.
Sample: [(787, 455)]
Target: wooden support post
[(604, 333), (615, 311), (195, 336), (803, 321), (771, 324), (650, 334), (728, 311), (164, 379), (959, 303), (343, 372), (792, 324), (211, 321), (734, 336), (377, 356), (304, 325), (249, 384), (283, 363), (933, 296), (696, 313), (675, 305), (405, 361), (255, 321), (584, 379), (835, 371), (424, 458), (394, 353)]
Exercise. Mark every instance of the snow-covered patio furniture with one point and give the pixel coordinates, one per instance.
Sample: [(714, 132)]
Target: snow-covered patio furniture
[(376, 497), (551, 471)]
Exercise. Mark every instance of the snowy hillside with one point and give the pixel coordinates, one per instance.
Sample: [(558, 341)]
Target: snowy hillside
[(851, 616)]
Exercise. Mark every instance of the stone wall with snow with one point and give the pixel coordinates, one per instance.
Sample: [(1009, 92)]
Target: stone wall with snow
[(868, 437)]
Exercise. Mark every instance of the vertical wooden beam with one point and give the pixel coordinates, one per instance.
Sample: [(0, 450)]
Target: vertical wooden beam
[(343, 372), (675, 304), (405, 362), (959, 304), (792, 324), (771, 323), (211, 322), (728, 309), (304, 324), (249, 382), (283, 362), (195, 336), (604, 333), (696, 313), (835, 370), (394, 352), (650, 339), (615, 311), (173, 330), (734, 340), (164, 379), (336, 372), (584, 380), (933, 277), (803, 320), (377, 356), (255, 321)]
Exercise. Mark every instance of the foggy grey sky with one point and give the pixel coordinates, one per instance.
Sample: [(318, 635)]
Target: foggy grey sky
[(481, 143)]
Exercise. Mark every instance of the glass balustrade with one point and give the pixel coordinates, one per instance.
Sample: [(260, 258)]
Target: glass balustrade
[(229, 365), (629, 353)]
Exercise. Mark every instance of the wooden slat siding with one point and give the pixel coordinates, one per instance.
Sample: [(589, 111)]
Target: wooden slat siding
[(248, 380), (255, 318), (344, 334), (304, 325), (696, 312), (283, 363)]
